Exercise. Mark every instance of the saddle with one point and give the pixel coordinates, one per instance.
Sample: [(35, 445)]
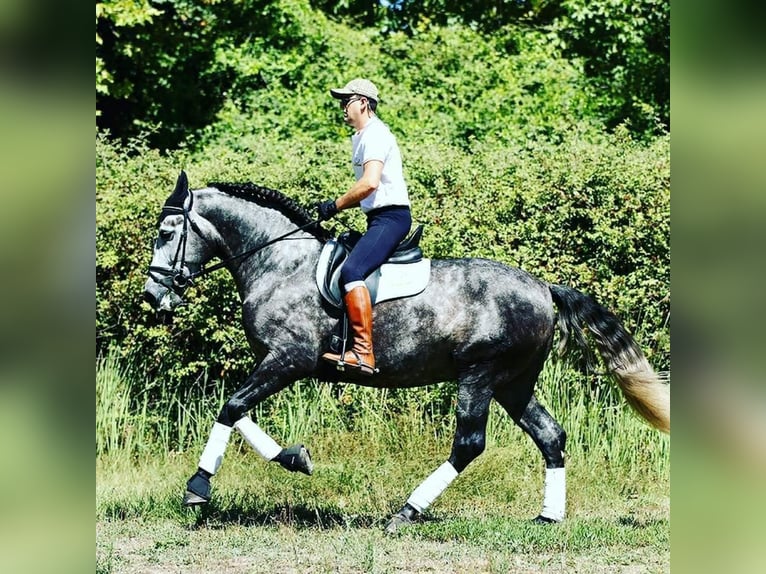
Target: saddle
[(404, 274)]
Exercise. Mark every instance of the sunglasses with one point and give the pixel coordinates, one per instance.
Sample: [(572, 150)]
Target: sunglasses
[(346, 102)]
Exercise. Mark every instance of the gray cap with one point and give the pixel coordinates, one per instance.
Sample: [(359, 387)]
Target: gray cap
[(358, 86)]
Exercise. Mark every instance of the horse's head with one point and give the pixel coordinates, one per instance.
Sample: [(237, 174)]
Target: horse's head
[(179, 251)]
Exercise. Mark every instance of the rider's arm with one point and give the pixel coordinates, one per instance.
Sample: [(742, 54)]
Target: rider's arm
[(363, 187)]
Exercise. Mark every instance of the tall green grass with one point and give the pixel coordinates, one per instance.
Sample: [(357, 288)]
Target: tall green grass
[(136, 416), (371, 448), (598, 423), (119, 426)]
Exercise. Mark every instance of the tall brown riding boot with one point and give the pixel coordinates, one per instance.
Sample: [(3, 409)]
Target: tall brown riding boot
[(360, 357)]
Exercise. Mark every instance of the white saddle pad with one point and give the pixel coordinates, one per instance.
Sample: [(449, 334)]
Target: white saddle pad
[(390, 281)]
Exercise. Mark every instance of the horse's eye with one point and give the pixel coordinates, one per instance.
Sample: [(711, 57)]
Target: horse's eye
[(166, 234)]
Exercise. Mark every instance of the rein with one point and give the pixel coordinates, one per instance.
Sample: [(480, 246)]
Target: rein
[(179, 277)]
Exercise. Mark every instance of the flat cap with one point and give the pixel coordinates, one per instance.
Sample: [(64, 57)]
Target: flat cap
[(358, 86)]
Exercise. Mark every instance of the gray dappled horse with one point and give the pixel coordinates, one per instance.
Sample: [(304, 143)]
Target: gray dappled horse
[(487, 325)]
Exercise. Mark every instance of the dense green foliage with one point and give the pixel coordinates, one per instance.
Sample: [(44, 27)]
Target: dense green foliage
[(592, 215), (508, 155), (169, 66)]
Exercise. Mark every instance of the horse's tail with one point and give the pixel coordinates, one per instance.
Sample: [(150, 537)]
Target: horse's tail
[(643, 389)]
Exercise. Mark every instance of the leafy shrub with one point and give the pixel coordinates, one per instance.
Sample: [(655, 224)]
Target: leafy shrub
[(504, 153), (592, 214), (172, 66)]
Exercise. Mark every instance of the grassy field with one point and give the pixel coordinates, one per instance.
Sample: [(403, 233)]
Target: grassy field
[(370, 451), (164, 547)]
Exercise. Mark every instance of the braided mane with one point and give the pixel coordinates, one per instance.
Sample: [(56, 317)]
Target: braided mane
[(274, 199)]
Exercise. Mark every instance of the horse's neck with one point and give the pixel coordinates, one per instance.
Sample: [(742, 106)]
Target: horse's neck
[(243, 226)]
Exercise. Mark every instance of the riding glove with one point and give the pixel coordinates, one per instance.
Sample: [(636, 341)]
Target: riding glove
[(327, 209)]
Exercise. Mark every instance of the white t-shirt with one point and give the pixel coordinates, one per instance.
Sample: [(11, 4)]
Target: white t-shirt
[(376, 142)]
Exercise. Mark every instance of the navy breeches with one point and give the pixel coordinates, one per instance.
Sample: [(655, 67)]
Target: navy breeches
[(386, 228)]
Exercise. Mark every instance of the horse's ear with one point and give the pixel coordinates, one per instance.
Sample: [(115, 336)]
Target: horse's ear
[(177, 198), (182, 184)]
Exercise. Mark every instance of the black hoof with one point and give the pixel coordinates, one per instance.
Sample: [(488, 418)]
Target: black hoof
[(296, 459), (397, 522), (197, 489), (401, 519), (192, 499), (540, 519)]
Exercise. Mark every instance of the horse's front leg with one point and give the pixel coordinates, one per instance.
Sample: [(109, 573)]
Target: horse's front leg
[(270, 377)]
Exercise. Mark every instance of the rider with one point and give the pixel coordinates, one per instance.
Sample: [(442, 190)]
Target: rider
[(381, 193)]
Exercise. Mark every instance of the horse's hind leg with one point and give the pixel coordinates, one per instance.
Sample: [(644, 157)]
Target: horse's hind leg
[(268, 379), (473, 400), (550, 438)]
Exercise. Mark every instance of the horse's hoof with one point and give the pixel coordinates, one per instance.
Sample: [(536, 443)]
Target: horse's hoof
[(397, 522), (540, 519), (197, 489), (296, 459), (193, 499)]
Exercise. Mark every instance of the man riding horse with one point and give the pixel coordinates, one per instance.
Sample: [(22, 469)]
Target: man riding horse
[(381, 192)]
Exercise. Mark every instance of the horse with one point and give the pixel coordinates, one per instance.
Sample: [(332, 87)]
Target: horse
[(479, 322)]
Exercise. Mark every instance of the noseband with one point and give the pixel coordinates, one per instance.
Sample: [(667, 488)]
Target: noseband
[(177, 277)]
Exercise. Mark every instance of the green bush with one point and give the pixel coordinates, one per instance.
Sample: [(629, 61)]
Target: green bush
[(504, 153), (593, 215), (463, 67)]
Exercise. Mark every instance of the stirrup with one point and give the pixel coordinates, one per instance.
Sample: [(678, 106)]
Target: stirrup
[(341, 365), (360, 366), (332, 360)]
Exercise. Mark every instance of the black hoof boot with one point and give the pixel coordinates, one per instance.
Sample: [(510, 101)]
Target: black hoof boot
[(296, 459), (198, 489), (401, 519), (540, 519)]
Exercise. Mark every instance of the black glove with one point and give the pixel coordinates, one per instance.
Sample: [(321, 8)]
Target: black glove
[(327, 209)]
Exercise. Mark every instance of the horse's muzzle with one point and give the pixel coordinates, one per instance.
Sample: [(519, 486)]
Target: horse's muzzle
[(160, 297), (151, 298)]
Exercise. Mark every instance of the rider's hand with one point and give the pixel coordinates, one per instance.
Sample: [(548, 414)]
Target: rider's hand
[(327, 209)]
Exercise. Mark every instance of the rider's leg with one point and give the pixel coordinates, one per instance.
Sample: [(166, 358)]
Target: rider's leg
[(359, 309), (385, 229)]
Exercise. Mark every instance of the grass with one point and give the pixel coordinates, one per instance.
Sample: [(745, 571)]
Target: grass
[(371, 448), (164, 546)]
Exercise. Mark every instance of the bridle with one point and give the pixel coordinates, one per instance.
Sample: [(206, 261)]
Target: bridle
[(178, 277)]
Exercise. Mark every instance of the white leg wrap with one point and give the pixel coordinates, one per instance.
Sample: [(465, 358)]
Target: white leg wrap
[(554, 502), (256, 438), (212, 456), (432, 487)]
